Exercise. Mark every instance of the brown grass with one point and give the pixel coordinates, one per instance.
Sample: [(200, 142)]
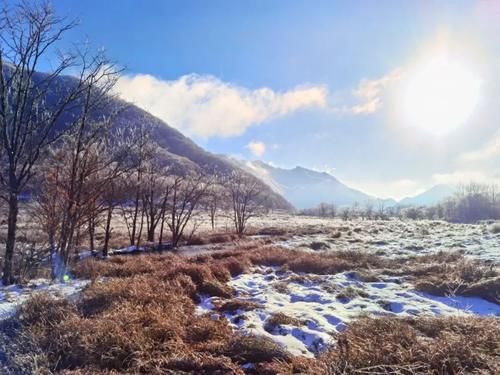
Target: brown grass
[(212, 238), (233, 305), (277, 319), (141, 319), (255, 349), (423, 346), (451, 273)]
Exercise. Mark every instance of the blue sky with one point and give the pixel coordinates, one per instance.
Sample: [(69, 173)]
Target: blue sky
[(311, 83)]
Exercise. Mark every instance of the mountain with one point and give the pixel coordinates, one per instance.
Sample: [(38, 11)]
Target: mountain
[(183, 154), (429, 197), (305, 188), (176, 150)]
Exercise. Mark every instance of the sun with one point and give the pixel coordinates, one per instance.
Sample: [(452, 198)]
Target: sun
[(440, 96)]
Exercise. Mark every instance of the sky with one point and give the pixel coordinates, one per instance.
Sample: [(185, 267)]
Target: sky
[(390, 97)]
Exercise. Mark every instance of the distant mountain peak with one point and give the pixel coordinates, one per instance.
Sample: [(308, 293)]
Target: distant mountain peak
[(305, 188), (431, 196)]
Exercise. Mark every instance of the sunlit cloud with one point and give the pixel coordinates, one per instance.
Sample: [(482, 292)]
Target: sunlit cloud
[(486, 153), (370, 93), (461, 177), (257, 148), (396, 189), (205, 106)]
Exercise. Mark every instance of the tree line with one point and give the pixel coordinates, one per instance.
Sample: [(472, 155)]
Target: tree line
[(79, 168), (471, 203)]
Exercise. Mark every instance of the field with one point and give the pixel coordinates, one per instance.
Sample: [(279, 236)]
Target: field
[(295, 295)]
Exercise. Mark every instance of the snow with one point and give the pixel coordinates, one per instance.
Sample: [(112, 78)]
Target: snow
[(126, 250), (397, 238), (327, 303), (13, 295)]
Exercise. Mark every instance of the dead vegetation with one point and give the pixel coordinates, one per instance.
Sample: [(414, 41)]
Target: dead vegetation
[(452, 274), (138, 316), (417, 346), (279, 319), (233, 305)]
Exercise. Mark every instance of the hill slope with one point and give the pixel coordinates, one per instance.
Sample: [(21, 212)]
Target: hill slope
[(176, 149), (183, 154)]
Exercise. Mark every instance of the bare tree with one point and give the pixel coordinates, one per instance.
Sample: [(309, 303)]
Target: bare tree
[(155, 194), (381, 214), (215, 199), (246, 198), (368, 211), (86, 164), (35, 109), (345, 213), (133, 211), (186, 193), (111, 198)]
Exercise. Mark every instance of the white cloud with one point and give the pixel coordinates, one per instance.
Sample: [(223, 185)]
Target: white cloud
[(205, 106), (370, 93), (491, 150), (462, 177), (257, 148), (396, 189)]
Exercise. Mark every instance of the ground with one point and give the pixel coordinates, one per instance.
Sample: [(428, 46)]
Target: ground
[(306, 285)]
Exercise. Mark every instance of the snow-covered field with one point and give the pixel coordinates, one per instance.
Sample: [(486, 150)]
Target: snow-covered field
[(321, 305), (395, 238), (325, 304), (13, 295)]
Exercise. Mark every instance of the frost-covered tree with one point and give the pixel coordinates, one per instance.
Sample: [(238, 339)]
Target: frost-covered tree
[(36, 109)]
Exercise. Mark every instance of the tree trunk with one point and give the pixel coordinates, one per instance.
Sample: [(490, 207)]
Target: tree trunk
[(107, 232), (92, 235), (8, 277), (53, 255), (162, 227), (212, 219), (139, 234), (151, 233)]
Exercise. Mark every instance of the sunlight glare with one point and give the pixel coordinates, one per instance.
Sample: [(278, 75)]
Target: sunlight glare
[(440, 96)]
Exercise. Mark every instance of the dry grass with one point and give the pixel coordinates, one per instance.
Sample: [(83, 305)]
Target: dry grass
[(212, 238), (256, 349), (417, 346), (451, 273), (278, 319), (233, 305), (141, 319)]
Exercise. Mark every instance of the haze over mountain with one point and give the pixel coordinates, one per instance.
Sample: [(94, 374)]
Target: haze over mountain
[(429, 197), (306, 188)]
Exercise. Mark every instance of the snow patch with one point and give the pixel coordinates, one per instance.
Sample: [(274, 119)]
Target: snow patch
[(327, 303), (14, 295)]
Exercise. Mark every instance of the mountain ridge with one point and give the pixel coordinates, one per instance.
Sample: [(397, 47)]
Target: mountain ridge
[(306, 188), (176, 150)]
